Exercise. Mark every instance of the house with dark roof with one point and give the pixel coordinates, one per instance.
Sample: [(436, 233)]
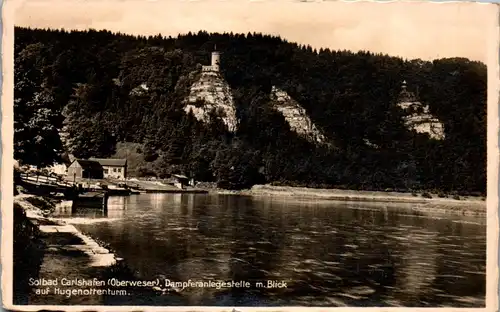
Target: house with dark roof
[(180, 181), (84, 169), (112, 167)]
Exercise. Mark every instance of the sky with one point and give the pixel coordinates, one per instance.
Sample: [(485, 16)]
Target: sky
[(407, 29)]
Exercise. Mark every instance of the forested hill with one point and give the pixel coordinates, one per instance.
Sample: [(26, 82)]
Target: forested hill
[(91, 82)]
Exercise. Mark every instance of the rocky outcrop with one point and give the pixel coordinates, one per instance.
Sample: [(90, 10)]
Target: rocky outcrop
[(417, 116), (139, 90), (212, 93), (423, 122), (296, 116)]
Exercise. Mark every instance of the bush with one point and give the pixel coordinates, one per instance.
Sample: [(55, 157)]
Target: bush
[(277, 183), (426, 195), (442, 195), (456, 197), (414, 194), (143, 171)]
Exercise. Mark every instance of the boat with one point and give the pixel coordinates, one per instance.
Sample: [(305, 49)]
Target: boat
[(118, 192), (113, 190), (91, 199)]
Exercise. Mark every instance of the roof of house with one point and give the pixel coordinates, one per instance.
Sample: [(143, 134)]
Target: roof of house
[(113, 162), (67, 159), (89, 164), (179, 176)]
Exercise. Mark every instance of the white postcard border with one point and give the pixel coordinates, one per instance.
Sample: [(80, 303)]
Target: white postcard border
[(492, 303)]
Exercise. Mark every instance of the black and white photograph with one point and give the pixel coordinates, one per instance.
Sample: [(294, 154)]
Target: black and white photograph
[(242, 154)]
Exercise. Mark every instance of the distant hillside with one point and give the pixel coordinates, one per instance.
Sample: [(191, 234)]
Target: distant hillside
[(99, 89)]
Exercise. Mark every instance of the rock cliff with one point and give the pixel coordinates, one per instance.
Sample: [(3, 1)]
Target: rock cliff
[(296, 116), (211, 92), (417, 116)]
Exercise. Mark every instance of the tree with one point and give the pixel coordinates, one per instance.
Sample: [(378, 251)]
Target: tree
[(117, 88), (36, 137), (88, 134), (237, 167)]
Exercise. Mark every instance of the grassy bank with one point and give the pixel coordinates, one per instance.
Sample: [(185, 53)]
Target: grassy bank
[(362, 195)]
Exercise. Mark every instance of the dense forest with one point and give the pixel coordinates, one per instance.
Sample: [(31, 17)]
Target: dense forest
[(87, 83)]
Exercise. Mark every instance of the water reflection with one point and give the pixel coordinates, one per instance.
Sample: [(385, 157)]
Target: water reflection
[(116, 207), (328, 253)]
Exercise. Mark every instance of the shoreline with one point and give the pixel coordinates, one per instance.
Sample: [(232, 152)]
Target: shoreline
[(79, 256), (464, 205), (346, 195), (59, 250)]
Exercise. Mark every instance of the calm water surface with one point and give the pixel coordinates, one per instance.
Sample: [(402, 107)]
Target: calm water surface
[(328, 253)]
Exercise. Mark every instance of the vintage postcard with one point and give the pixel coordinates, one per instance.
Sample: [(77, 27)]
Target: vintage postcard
[(241, 155)]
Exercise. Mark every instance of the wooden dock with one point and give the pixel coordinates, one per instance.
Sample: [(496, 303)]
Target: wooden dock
[(85, 195)]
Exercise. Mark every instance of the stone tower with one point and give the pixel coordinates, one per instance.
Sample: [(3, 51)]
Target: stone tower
[(215, 62), (211, 92)]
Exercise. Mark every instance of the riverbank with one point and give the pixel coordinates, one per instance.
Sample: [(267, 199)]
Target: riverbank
[(160, 187), (47, 249), (424, 202), (400, 232)]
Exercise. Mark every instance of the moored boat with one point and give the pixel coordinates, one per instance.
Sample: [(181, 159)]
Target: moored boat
[(91, 199)]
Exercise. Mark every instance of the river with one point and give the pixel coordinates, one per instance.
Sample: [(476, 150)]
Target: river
[(327, 253)]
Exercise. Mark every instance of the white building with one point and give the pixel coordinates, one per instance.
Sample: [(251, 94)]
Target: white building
[(113, 168)]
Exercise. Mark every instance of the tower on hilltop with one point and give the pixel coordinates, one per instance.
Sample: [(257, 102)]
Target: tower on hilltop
[(405, 95), (215, 62)]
